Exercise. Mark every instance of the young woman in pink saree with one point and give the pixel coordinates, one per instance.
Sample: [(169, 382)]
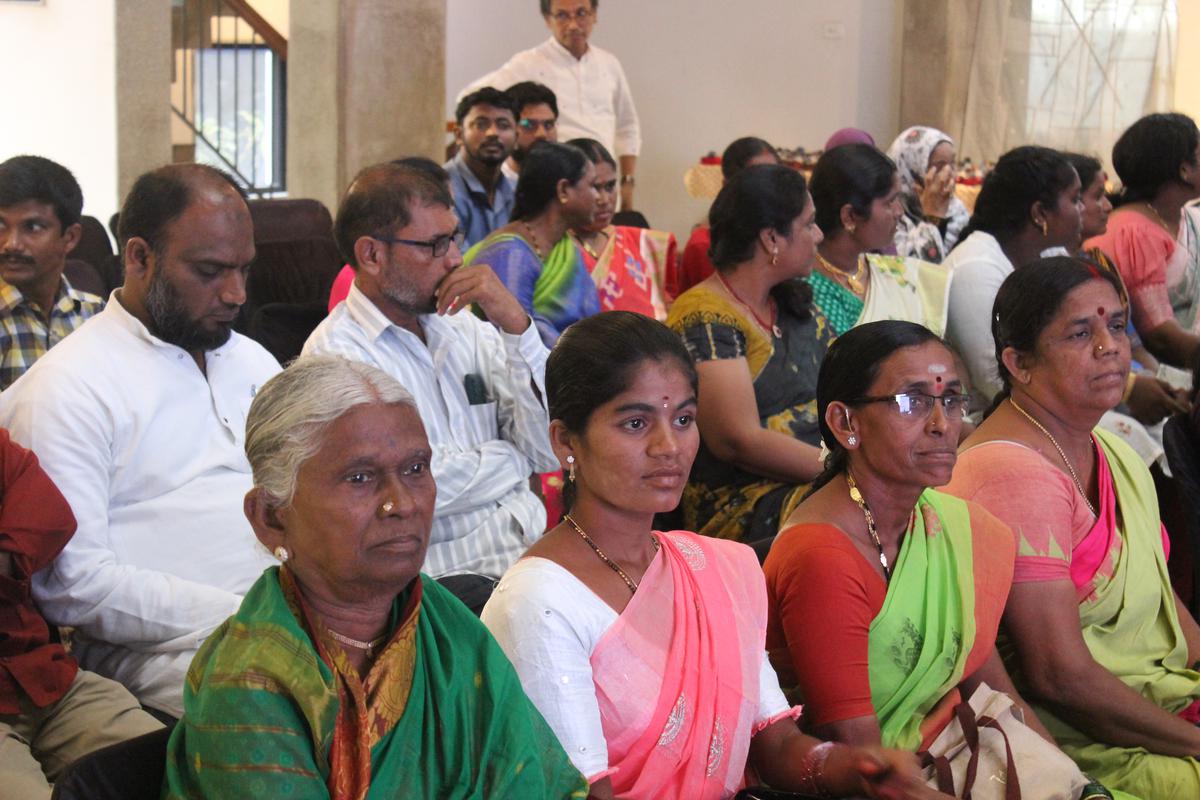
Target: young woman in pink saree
[(645, 651)]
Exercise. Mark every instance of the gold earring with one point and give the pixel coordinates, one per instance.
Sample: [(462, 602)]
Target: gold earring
[(571, 468), (775, 256), (1045, 229), (850, 229), (282, 554)]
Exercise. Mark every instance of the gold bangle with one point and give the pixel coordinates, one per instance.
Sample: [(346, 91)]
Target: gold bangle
[(1129, 382)]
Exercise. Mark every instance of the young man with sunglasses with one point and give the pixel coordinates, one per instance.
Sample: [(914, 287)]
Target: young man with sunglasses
[(478, 386), (537, 121)]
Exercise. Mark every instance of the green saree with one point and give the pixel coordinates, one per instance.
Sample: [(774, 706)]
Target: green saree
[(262, 712), (919, 641), (1131, 627)]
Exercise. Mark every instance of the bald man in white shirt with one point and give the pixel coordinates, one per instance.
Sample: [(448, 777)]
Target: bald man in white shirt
[(139, 417), (594, 101)]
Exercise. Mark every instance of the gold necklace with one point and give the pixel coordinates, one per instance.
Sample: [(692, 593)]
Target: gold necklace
[(533, 240), (855, 283), (596, 548), (355, 643), (587, 247), (861, 502), (1061, 455), (1158, 216)]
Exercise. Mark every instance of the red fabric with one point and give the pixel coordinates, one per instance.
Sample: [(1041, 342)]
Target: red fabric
[(822, 596), (341, 286), (695, 266), (35, 524)]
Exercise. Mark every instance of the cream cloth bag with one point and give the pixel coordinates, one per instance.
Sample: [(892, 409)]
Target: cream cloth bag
[(987, 752)]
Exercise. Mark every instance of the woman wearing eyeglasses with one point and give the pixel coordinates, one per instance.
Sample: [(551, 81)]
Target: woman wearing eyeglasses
[(884, 595), (1101, 645), (533, 255), (628, 265)]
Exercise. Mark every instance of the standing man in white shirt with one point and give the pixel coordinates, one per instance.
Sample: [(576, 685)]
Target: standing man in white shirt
[(479, 385), (594, 100), (139, 418)]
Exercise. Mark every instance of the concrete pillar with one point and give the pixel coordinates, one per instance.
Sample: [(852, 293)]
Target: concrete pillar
[(366, 83), (143, 88)]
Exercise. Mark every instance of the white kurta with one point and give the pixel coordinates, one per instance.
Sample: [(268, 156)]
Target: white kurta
[(149, 453)]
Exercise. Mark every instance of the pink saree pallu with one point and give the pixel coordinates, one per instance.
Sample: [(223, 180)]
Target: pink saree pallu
[(677, 675)]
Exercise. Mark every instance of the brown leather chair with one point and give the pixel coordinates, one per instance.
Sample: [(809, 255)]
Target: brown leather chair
[(96, 249), (293, 271), (285, 220), (85, 278)]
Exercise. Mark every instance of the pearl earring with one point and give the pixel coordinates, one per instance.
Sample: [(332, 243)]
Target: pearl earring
[(571, 468)]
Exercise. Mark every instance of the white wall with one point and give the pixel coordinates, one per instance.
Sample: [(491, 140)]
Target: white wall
[(59, 60), (704, 72)]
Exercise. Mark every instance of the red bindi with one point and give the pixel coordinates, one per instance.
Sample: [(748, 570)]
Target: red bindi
[(938, 379), (664, 401), (1100, 311)]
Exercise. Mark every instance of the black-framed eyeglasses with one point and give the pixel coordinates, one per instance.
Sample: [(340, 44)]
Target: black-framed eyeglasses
[(438, 245), (531, 125), (580, 15), (919, 404)]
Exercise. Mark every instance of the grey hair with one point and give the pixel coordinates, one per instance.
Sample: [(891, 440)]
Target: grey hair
[(292, 411)]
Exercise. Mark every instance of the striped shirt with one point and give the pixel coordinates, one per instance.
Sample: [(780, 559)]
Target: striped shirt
[(479, 392), (27, 335)]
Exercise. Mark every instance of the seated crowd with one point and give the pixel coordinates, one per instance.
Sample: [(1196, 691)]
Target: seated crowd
[(806, 546)]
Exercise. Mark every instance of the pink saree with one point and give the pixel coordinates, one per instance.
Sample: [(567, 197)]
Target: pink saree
[(677, 675), (1097, 553)]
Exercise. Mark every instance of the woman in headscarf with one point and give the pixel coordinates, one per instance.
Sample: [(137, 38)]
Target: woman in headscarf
[(933, 216)]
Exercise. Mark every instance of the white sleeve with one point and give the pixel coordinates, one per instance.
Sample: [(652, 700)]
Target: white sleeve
[(772, 704), (551, 655), (628, 140), (973, 288), (518, 376), (87, 587)]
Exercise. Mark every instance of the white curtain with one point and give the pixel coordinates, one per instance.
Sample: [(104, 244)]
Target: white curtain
[(1069, 74)]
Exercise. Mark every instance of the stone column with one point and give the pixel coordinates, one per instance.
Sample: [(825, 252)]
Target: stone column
[(143, 88), (366, 83)]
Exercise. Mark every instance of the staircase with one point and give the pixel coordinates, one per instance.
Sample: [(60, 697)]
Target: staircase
[(229, 92)]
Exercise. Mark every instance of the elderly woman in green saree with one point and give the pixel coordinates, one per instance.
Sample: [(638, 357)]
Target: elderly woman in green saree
[(1097, 640), (345, 673)]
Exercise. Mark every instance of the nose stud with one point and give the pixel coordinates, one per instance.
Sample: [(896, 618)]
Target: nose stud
[(387, 507)]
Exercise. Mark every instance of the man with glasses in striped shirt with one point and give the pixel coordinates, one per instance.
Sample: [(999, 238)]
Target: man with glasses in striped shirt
[(479, 385)]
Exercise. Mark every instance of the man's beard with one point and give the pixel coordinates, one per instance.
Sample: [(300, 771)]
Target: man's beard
[(403, 297), (171, 323), (488, 160)]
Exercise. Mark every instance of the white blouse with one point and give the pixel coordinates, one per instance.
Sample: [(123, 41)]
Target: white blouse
[(548, 622)]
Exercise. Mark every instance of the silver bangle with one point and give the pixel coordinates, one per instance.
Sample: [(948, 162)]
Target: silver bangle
[(812, 770)]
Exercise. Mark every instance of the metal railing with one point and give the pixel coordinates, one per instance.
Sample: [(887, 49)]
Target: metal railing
[(229, 95)]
